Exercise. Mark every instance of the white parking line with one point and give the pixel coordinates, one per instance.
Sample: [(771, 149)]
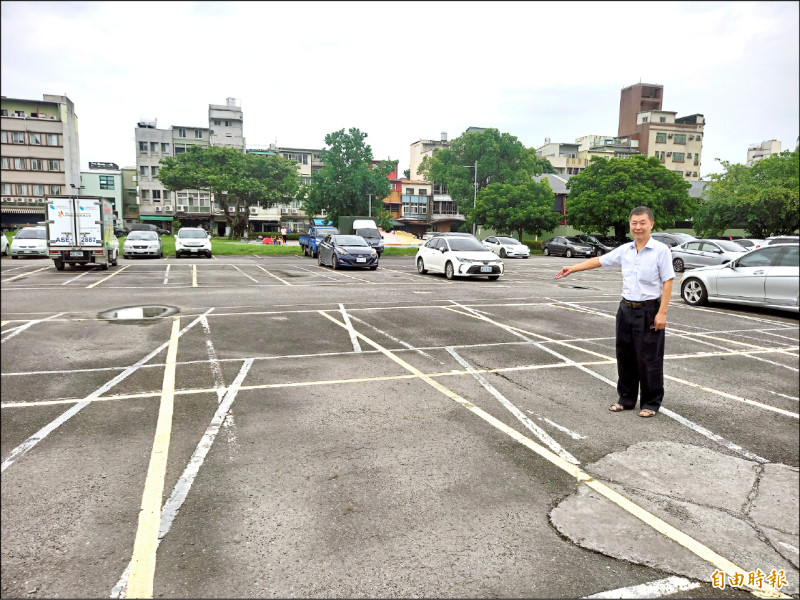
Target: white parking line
[(74, 278), (21, 328), (654, 589), (353, 338), (166, 275), (245, 274)]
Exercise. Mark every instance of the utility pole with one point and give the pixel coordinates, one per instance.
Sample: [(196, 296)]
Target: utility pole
[(475, 194), (370, 203)]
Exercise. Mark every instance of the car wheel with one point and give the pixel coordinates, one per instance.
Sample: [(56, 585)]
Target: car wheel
[(598, 252), (546, 251), (305, 251), (421, 267), (104, 266), (14, 256), (125, 256), (334, 262), (694, 292), (373, 268), (568, 253), (319, 260), (208, 255), (449, 273), (677, 264), (494, 277), (58, 263), (503, 253)]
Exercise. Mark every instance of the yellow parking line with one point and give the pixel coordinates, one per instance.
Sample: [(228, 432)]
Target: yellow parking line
[(109, 277), (634, 509), (143, 562), (24, 274)]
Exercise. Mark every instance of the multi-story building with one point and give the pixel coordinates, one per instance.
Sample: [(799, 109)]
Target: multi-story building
[(422, 148), (676, 141), (130, 196), (40, 156), (226, 124), (607, 148), (105, 180), (564, 156), (757, 152)]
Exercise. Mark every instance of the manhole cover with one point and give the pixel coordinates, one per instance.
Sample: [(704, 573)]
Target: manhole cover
[(138, 313)]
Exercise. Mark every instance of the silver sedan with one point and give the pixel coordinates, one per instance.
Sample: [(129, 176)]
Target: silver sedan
[(702, 253), (506, 246), (765, 277)]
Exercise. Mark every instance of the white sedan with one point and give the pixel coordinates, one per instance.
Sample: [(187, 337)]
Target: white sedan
[(765, 277), (506, 247), (458, 256)]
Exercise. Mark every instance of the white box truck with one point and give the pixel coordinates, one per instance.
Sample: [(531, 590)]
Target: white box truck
[(80, 230)]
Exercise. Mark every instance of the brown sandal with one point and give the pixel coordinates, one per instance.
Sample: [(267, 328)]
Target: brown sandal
[(647, 413), (618, 408)]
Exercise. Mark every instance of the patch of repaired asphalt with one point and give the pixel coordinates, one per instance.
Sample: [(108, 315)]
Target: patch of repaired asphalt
[(741, 509)]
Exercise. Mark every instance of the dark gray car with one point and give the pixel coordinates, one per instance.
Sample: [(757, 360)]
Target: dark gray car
[(347, 251), (568, 246)]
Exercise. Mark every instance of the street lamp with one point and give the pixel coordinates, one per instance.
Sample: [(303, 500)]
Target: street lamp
[(475, 196)]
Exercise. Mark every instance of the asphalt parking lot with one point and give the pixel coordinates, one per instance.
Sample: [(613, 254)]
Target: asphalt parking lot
[(286, 430)]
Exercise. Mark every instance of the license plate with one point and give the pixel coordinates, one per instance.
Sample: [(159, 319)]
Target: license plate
[(76, 254), (361, 260), (486, 269), (193, 249)]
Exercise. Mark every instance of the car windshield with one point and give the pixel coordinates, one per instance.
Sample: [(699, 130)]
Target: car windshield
[(368, 233), (465, 245), (589, 238), (142, 235), (191, 233), (606, 239), (323, 231), (683, 237), (350, 240), (508, 240), (729, 246), (574, 240), (31, 234)]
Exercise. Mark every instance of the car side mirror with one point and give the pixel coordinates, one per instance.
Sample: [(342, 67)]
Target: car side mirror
[(717, 251), (442, 250)]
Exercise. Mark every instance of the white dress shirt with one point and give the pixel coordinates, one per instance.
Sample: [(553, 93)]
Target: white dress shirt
[(644, 272)]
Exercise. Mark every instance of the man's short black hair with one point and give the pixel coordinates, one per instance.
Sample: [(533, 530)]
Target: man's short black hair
[(642, 210)]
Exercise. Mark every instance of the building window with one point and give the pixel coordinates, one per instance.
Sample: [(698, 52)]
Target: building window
[(55, 190), (410, 191), (165, 148), (644, 119), (662, 119), (198, 134), (19, 137), (106, 182), (216, 122), (157, 195), (52, 139), (144, 170), (22, 189), (37, 164), (6, 163), (661, 138), (36, 138), (679, 138), (154, 171), (7, 189), (38, 190), (677, 157), (180, 149), (227, 123), (153, 146), (19, 164), (181, 132), (142, 146), (4, 138), (145, 194)]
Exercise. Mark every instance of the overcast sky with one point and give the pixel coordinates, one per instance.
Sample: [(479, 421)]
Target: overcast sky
[(404, 71)]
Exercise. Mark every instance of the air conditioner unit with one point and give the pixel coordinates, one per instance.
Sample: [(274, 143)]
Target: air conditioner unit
[(168, 208), (158, 209), (52, 117), (231, 209), (182, 208), (42, 201), (253, 210), (294, 211), (691, 137), (31, 201), (284, 211), (669, 135), (669, 153), (20, 200)]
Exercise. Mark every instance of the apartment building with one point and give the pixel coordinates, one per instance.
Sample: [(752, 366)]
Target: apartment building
[(104, 180), (226, 124), (676, 141), (612, 147), (564, 156), (422, 148), (757, 152), (40, 156), (130, 196)]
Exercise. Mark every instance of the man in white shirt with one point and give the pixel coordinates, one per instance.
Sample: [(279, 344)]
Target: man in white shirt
[(647, 277)]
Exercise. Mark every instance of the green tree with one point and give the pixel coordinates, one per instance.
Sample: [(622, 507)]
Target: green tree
[(236, 180), (347, 179), (385, 220), (501, 158), (602, 195), (762, 199), (518, 207)]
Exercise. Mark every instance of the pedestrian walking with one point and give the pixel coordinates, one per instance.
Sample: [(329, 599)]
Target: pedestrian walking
[(647, 277), (283, 234)]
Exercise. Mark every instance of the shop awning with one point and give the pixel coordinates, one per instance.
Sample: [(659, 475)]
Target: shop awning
[(149, 218)]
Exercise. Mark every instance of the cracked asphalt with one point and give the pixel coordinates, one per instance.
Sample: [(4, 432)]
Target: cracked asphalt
[(383, 434)]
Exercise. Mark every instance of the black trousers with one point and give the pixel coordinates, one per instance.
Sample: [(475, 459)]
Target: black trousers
[(640, 357)]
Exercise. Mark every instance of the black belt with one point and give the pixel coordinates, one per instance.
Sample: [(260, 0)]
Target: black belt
[(630, 304)]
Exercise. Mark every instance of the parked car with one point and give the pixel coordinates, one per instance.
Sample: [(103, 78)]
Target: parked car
[(457, 256), (373, 237), (347, 251), (142, 243), (192, 241), (29, 241), (567, 245), (782, 239), (3, 244), (672, 239), (506, 247), (600, 244), (428, 235), (121, 231), (749, 243), (149, 227), (766, 276), (701, 253)]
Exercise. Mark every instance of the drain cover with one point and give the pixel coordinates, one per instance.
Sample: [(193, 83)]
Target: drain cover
[(138, 313)]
